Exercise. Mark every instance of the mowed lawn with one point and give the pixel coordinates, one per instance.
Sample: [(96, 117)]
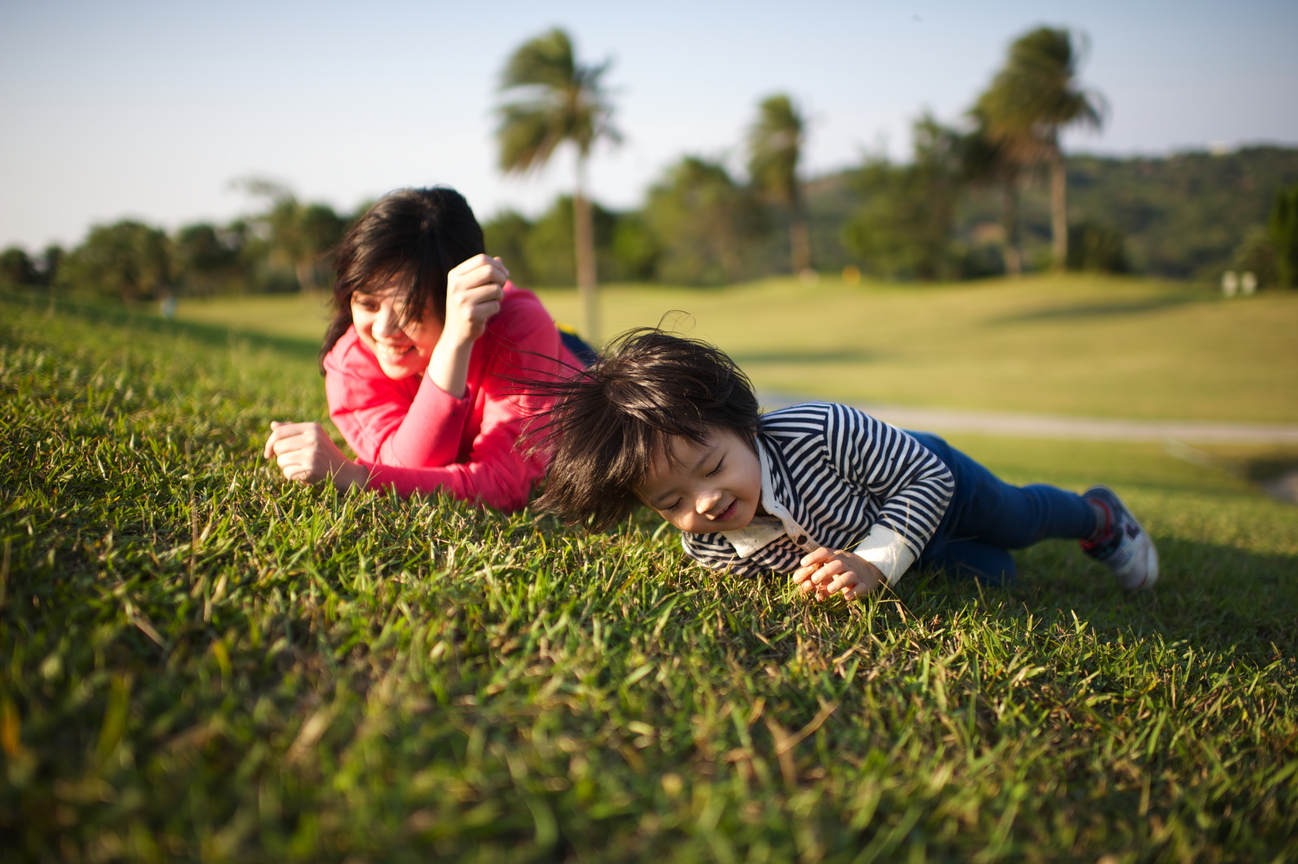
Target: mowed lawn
[(203, 662), (1081, 345)]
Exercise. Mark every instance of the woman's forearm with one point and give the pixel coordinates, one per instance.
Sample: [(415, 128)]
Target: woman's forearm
[(448, 368)]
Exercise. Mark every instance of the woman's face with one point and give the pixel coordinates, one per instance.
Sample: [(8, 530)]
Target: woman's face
[(401, 351)]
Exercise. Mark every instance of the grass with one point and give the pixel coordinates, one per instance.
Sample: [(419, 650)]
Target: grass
[(1085, 345), (202, 662), (1096, 346)]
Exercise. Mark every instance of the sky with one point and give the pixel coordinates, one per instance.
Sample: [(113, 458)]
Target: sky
[(149, 110)]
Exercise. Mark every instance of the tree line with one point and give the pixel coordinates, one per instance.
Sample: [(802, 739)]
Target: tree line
[(287, 246), (983, 196)]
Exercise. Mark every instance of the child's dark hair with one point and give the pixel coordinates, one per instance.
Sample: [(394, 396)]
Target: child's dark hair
[(611, 419), (424, 233)]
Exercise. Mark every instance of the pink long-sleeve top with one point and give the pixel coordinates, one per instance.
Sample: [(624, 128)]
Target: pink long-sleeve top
[(415, 437)]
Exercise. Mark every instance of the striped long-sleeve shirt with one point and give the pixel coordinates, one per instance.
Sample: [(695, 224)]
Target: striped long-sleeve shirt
[(834, 477)]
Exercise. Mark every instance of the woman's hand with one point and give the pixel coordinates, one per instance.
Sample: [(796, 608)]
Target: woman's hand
[(828, 572), (474, 291), (304, 452)]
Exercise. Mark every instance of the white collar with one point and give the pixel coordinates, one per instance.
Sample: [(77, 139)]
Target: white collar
[(763, 530)]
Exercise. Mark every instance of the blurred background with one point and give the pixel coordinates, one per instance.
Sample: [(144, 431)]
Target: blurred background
[(158, 149)]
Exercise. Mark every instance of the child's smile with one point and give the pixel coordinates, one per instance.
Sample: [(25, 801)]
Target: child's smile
[(702, 489)]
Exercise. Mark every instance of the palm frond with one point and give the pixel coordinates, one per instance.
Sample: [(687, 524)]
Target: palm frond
[(1036, 94), (546, 61), (561, 100)]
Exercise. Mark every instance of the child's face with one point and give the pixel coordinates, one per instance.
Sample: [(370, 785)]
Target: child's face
[(713, 487)]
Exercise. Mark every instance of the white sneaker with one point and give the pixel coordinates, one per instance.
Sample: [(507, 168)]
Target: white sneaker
[(1122, 545)]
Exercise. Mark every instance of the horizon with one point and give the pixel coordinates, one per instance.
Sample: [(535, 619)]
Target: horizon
[(177, 102)]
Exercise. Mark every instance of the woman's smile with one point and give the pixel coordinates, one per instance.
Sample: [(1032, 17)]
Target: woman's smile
[(392, 353)]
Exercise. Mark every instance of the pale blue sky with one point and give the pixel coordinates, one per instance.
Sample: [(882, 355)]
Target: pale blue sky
[(148, 109)]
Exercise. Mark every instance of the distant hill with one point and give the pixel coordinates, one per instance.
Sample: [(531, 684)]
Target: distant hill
[(1183, 215)]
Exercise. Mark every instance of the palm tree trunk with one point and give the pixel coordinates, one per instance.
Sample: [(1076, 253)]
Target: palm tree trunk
[(584, 233), (305, 277), (731, 263), (799, 239), (1010, 222), (1058, 209), (800, 242)]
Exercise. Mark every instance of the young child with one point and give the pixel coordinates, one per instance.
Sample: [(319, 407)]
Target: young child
[(839, 499)]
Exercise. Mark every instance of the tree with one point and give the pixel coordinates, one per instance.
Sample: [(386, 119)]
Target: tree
[(126, 259), (562, 101), (48, 264), (905, 224), (635, 249), (986, 161), (550, 242), (1030, 100), (299, 235), (16, 267), (774, 149), (701, 218), (1256, 254), (206, 259), (1283, 229), (1097, 248)]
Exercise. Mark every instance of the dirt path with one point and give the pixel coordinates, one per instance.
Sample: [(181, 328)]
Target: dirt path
[(946, 420)]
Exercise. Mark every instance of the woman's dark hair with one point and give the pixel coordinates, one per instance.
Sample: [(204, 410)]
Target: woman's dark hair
[(609, 421), (424, 233)]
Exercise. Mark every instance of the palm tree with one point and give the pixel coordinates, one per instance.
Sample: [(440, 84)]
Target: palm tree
[(562, 101), (1034, 96), (774, 148)]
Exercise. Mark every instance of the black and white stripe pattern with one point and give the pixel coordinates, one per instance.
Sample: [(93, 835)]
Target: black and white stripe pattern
[(838, 471)]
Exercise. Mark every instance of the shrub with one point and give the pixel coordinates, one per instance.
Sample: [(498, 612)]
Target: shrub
[(1097, 248), (1284, 236)]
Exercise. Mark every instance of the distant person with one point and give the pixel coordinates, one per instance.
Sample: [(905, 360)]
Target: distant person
[(422, 358), (839, 499)]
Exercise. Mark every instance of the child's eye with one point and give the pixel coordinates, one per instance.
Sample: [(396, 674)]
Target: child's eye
[(717, 470), (673, 506)]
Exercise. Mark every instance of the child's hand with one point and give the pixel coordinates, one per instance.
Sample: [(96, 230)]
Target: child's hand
[(827, 572)]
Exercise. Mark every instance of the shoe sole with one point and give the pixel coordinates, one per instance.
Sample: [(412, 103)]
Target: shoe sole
[(1151, 565)]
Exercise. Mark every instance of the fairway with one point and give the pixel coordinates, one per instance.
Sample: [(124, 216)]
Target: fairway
[(204, 662), (1080, 345)]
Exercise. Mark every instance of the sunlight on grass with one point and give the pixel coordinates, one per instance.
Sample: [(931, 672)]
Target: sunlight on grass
[(295, 316), (1092, 346), (1082, 345)]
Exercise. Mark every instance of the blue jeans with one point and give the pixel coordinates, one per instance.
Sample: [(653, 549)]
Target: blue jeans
[(987, 517), (578, 347)]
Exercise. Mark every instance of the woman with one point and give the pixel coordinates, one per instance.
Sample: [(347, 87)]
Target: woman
[(423, 358)]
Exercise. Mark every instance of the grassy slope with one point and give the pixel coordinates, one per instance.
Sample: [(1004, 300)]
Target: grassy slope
[(1081, 345), (326, 678)]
